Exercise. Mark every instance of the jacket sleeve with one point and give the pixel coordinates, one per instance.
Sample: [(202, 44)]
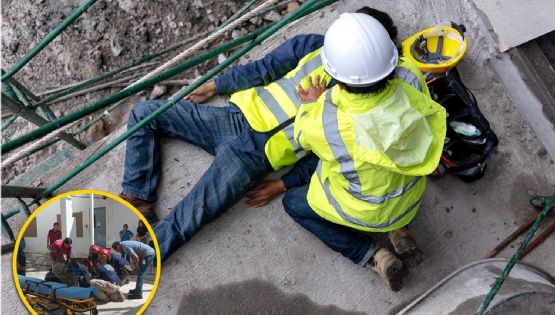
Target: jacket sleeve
[(301, 173), (270, 68)]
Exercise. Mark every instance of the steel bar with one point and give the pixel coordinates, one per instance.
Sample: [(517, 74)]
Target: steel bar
[(98, 105), (21, 191), (8, 122), (95, 88), (6, 229), (549, 202), (307, 7), (47, 39), (538, 240), (523, 228), (43, 110), (33, 117), (123, 69)]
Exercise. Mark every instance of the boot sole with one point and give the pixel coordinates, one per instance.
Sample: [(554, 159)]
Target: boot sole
[(407, 249), (396, 275)]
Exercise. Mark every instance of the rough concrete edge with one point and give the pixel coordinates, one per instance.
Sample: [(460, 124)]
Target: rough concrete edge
[(524, 100)]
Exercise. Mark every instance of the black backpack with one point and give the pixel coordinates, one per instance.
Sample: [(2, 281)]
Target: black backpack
[(469, 138)]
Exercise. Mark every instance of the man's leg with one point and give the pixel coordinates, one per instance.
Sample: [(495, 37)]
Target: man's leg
[(103, 289), (357, 247), (201, 125), (235, 169), (143, 267)]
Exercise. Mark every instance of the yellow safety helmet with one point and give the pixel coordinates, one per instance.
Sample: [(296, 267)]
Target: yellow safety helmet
[(436, 49)]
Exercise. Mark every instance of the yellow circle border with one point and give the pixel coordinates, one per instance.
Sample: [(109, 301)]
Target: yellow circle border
[(78, 192)]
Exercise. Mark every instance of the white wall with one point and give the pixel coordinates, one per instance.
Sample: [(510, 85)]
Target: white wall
[(116, 215), (45, 220)]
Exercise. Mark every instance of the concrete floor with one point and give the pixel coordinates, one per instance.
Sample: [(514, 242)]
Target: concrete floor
[(253, 260)]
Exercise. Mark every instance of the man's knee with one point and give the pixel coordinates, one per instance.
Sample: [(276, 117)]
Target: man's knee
[(141, 110)]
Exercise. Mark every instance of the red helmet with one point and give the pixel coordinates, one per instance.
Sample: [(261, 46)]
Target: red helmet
[(95, 249), (105, 252)]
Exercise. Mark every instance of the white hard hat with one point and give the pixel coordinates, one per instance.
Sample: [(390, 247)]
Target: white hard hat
[(358, 50)]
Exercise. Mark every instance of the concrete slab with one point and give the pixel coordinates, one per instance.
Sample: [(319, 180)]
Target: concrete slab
[(250, 259), (516, 22)]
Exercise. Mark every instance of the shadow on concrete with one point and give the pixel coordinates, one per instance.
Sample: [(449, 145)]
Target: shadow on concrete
[(253, 296)]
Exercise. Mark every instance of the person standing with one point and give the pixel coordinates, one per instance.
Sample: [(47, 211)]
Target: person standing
[(141, 256), (142, 235), (125, 234), (54, 234)]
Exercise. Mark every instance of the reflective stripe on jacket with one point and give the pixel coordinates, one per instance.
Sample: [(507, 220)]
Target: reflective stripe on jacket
[(266, 107), (374, 151)]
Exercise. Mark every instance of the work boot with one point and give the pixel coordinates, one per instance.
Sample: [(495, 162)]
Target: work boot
[(390, 268), (135, 296), (406, 247), (144, 207)]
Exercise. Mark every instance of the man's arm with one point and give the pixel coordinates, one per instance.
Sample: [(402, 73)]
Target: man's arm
[(135, 259), (301, 173), (270, 68), (267, 190)]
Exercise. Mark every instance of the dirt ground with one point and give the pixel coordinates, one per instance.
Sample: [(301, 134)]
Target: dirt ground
[(109, 34)]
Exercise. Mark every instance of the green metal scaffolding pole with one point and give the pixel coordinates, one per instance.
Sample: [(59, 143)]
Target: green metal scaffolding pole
[(69, 118), (308, 7), (47, 39)]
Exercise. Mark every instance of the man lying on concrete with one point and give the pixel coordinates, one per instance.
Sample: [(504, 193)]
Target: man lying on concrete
[(377, 134), (107, 280), (60, 264), (248, 139), (141, 256)]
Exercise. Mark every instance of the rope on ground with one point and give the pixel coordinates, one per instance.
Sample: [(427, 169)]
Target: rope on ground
[(37, 144), (549, 202), (201, 44)]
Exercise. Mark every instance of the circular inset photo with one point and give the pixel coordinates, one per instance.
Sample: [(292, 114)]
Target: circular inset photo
[(86, 251)]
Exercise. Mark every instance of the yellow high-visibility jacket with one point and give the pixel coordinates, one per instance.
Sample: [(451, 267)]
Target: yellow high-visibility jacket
[(266, 107), (374, 150)]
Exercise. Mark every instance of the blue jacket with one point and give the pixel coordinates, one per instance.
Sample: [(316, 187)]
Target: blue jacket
[(107, 273), (261, 72)]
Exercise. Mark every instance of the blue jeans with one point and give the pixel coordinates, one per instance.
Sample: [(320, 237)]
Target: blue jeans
[(239, 162), (350, 243), (144, 262)]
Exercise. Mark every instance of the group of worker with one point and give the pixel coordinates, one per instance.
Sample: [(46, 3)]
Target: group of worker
[(353, 118), (108, 271)]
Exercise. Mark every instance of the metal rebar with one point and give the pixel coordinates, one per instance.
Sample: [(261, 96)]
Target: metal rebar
[(549, 202), (98, 105), (48, 38), (307, 7), (84, 83), (8, 122), (21, 191), (43, 110), (94, 88), (29, 115), (538, 240)]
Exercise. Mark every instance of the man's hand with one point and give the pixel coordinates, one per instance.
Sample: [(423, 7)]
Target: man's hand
[(202, 93), (313, 92), (264, 192)]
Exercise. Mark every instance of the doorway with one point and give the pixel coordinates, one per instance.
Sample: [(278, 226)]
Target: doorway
[(100, 226)]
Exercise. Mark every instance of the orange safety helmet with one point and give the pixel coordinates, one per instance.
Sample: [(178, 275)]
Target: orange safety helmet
[(105, 252), (95, 249)]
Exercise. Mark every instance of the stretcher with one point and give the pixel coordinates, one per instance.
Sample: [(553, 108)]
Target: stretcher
[(46, 297)]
